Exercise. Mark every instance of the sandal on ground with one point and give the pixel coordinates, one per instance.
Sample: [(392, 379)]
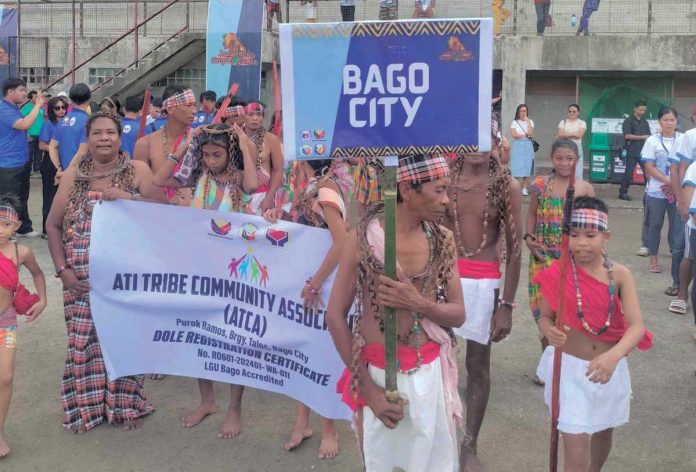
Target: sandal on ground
[(654, 269), (672, 291), (678, 306), (538, 381)]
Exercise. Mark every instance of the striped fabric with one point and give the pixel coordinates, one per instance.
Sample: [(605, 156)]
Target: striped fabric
[(89, 397)]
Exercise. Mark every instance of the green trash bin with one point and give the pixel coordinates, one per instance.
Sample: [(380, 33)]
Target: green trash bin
[(600, 157)]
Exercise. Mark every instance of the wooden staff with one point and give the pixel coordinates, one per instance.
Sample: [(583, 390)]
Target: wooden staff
[(144, 112), (391, 390), (225, 103), (565, 259), (276, 91)]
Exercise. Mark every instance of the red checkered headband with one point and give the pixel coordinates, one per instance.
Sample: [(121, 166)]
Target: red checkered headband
[(233, 112), (9, 213), (184, 98), (586, 218), (254, 107), (422, 168)]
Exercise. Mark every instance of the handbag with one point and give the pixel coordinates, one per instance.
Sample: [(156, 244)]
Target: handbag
[(23, 299), (535, 145)]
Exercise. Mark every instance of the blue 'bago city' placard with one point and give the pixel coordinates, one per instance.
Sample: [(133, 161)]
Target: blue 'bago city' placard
[(386, 88)]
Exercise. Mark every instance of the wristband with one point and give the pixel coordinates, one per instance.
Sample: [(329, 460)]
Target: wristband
[(61, 269), (312, 290), (506, 303), (527, 235)]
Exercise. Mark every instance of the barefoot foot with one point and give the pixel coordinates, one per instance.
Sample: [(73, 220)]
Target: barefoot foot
[(130, 425), (297, 436), (231, 427), (469, 462), (4, 448), (328, 448), (199, 414)]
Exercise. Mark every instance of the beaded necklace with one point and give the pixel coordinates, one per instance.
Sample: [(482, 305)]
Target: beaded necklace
[(259, 140), (611, 289), (484, 239), (416, 329)]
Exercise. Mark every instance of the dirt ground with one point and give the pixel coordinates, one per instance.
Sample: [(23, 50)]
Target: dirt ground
[(660, 437)]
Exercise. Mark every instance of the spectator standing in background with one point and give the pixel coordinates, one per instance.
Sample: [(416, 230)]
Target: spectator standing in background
[(636, 130), (57, 109), (311, 15), (522, 153), (500, 14), (542, 8), (34, 131), (130, 123), (588, 8), (273, 6), (388, 9), (574, 128), (348, 10), (424, 9)]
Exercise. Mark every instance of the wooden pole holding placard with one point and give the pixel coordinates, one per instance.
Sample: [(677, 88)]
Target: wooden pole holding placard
[(144, 111), (389, 183)]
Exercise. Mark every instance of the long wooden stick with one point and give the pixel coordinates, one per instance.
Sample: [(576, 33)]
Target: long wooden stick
[(391, 390), (225, 103), (565, 259), (276, 93), (144, 111)]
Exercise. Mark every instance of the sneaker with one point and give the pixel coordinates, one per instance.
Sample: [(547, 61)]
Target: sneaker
[(31, 234), (624, 196), (643, 252), (524, 192)]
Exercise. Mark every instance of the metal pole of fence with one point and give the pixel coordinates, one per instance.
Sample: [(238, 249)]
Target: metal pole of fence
[(135, 25), (188, 15), (18, 46), (514, 19), (649, 16), (74, 45)]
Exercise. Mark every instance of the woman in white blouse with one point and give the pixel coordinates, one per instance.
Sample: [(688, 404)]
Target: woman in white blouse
[(522, 152), (574, 128)]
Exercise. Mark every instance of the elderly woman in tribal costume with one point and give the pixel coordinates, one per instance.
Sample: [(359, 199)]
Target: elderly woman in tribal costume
[(428, 300), (216, 161), (89, 396)]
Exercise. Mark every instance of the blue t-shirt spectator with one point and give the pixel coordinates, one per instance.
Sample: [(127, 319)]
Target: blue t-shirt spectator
[(156, 125), (70, 133), (47, 131), (202, 118), (14, 147), (130, 134)]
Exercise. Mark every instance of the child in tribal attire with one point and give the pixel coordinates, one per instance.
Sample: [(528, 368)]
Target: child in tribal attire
[(605, 325)]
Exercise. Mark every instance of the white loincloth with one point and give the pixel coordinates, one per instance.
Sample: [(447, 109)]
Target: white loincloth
[(422, 441), (479, 302), (587, 407)]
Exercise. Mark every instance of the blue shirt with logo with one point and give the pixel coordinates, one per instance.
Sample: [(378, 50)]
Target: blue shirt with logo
[(70, 133), (47, 131), (156, 125), (130, 134), (14, 148), (202, 119)]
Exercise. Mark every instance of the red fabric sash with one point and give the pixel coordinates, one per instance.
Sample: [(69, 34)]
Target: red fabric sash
[(8, 273), (374, 354), (595, 304), (469, 269)]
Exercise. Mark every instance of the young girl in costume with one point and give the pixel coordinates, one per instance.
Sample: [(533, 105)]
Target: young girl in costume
[(217, 162), (322, 205), (602, 325), (545, 215), (14, 300)]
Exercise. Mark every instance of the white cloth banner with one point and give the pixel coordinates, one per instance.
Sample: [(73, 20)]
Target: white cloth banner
[(212, 295)]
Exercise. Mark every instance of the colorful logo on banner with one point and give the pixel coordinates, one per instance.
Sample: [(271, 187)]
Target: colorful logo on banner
[(277, 237), (221, 228), (248, 232), (248, 269), (233, 46), (386, 88)]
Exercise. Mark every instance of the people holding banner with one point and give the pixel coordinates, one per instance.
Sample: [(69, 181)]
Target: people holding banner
[(522, 153), (428, 299), (14, 300), (269, 160), (220, 165), (105, 173), (322, 205), (602, 326), (179, 105)]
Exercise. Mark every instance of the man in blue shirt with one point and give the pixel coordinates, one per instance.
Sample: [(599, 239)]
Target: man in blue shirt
[(131, 123), (15, 167), (69, 142), (207, 111)]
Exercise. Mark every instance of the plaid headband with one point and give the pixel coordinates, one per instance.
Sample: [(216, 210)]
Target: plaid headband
[(585, 218), (253, 107), (9, 213), (422, 168), (184, 98), (235, 111)]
